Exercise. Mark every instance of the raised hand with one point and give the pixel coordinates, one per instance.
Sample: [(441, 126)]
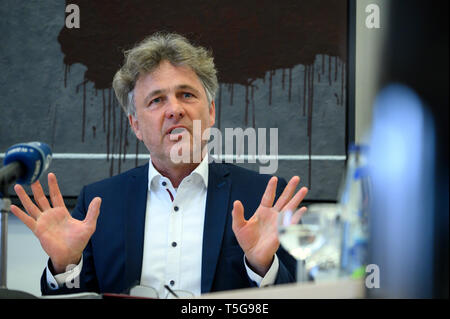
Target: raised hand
[(62, 237), (258, 236)]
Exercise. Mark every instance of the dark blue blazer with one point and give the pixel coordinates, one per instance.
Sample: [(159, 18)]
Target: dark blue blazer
[(112, 260)]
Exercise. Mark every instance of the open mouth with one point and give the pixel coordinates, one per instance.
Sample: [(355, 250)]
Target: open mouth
[(177, 132)]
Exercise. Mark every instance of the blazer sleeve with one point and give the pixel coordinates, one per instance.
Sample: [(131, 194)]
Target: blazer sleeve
[(87, 281)]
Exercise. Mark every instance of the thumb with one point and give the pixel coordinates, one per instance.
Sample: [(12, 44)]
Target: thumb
[(238, 216), (93, 212)]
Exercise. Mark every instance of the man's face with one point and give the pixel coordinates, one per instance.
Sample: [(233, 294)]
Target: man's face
[(168, 100)]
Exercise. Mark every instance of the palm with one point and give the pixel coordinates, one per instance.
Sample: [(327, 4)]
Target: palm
[(60, 234), (62, 237), (258, 236), (259, 233)]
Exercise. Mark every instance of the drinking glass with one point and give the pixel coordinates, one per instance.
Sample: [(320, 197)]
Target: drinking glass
[(324, 264), (301, 239)]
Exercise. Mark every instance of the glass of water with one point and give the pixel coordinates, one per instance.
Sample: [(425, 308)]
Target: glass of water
[(324, 264), (301, 238)]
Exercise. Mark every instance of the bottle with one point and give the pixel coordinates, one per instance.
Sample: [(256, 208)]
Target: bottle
[(346, 250), (354, 200)]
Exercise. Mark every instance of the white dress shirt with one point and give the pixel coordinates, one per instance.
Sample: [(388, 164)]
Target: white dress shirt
[(173, 238)]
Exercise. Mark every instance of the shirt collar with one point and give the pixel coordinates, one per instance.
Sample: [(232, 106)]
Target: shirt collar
[(201, 170)]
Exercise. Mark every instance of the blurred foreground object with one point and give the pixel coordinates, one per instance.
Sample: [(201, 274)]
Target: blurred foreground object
[(409, 155), (402, 214)]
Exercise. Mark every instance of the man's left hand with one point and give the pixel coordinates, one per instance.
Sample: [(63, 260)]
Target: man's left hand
[(258, 236)]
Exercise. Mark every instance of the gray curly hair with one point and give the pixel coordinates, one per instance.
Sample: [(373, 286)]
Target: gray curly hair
[(148, 54)]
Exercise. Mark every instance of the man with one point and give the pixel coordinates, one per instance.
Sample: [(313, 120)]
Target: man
[(166, 223)]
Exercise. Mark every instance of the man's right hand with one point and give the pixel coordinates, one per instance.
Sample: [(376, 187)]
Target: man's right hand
[(62, 237)]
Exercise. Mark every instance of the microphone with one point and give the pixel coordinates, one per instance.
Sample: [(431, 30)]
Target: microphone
[(25, 163)]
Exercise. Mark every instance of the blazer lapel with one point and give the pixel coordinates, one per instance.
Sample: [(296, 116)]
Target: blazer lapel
[(216, 211), (135, 225)]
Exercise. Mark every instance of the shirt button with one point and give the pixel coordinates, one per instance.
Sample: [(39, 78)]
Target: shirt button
[(174, 244), (175, 208), (172, 282), (164, 183)]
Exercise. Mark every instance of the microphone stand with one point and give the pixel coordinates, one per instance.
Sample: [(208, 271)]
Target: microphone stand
[(5, 207), (8, 175)]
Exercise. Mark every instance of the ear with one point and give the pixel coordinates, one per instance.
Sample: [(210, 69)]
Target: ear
[(135, 126), (212, 114)]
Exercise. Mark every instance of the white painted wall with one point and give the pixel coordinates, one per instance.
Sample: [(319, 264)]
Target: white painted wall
[(26, 258), (368, 49)]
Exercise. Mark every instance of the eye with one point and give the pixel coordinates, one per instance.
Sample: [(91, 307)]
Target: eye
[(187, 95), (155, 101)]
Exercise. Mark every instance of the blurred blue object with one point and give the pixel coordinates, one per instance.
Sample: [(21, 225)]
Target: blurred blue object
[(401, 158)]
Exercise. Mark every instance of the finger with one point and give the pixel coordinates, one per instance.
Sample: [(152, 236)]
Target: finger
[(269, 194), (287, 193), (55, 193), (238, 216), (26, 201), (298, 215), (93, 212), (296, 200), (39, 196), (24, 217)]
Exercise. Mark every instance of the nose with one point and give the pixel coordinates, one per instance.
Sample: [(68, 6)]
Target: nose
[(174, 109)]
